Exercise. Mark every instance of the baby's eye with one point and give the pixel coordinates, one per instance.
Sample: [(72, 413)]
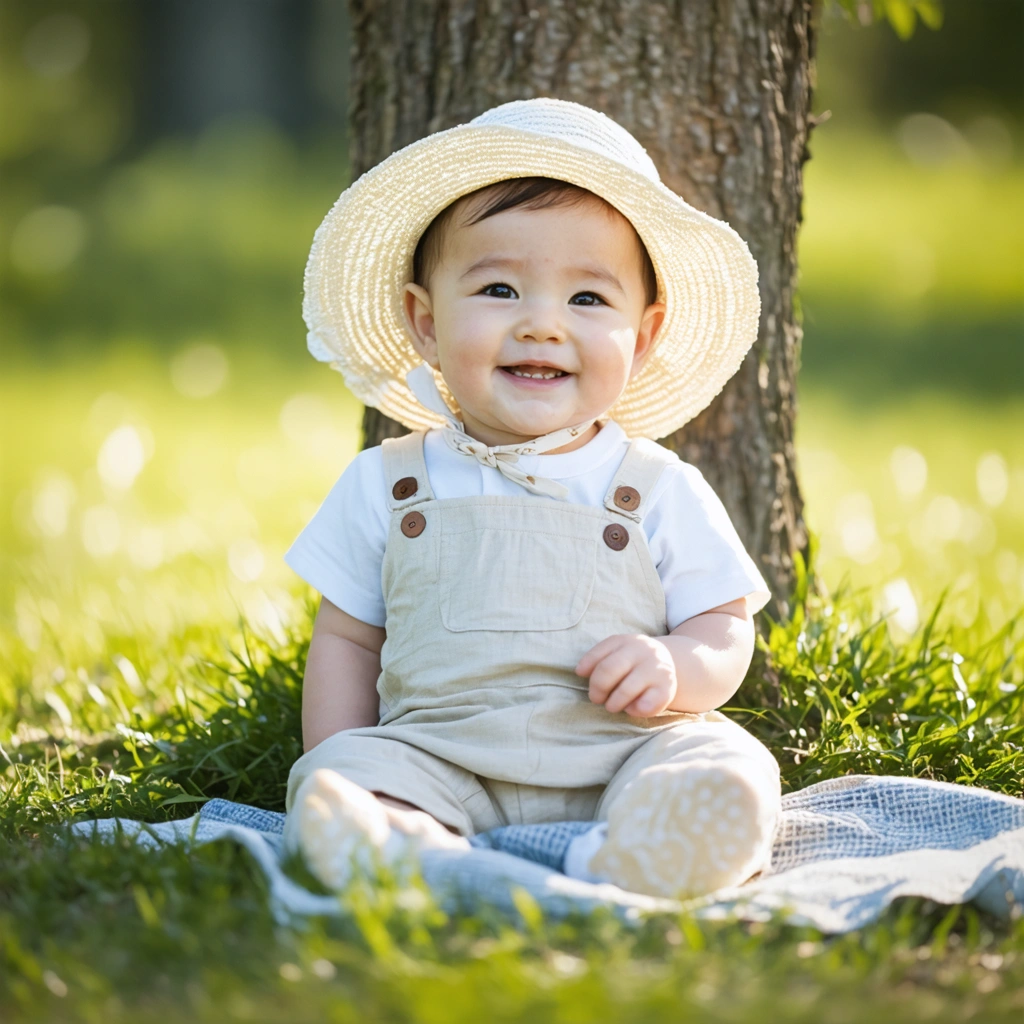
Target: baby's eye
[(499, 291), (587, 299)]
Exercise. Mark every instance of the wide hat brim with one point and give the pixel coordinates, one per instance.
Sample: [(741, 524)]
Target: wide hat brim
[(362, 256)]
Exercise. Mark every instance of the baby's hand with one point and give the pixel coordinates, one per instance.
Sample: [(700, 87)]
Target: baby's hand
[(630, 673)]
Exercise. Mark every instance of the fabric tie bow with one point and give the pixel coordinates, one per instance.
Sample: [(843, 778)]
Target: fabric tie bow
[(502, 457)]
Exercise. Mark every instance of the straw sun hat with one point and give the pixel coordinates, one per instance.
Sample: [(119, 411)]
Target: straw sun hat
[(362, 257)]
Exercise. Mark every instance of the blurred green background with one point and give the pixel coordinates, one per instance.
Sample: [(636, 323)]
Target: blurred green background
[(165, 435)]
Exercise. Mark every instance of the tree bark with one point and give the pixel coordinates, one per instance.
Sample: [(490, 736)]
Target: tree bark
[(718, 92)]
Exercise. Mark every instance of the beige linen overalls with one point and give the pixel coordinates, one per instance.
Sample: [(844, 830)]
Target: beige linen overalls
[(491, 602)]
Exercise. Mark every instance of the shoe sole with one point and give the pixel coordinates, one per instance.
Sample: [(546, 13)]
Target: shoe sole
[(338, 827), (683, 832)]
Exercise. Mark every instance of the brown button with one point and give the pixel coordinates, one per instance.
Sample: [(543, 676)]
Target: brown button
[(615, 536), (405, 488), (627, 498), (413, 524)]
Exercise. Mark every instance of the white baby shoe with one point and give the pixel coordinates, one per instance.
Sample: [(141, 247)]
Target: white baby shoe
[(685, 830), (340, 828)]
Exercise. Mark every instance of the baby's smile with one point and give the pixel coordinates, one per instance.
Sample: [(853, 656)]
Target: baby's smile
[(533, 373)]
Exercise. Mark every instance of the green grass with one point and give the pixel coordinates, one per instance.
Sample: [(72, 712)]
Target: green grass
[(154, 663), (909, 239), (921, 487), (152, 640), (107, 931)]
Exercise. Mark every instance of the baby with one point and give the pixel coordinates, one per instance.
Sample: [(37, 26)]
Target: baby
[(530, 611)]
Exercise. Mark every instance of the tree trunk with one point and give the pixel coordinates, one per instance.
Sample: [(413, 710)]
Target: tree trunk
[(718, 92)]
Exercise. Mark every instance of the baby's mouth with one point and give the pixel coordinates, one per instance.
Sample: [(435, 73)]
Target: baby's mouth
[(534, 372)]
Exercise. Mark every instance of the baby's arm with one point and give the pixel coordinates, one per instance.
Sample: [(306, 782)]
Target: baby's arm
[(697, 667), (339, 689)]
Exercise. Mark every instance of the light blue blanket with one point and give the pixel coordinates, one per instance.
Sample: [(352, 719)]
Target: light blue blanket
[(844, 850)]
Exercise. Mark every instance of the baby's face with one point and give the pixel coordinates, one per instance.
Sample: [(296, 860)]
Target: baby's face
[(556, 294)]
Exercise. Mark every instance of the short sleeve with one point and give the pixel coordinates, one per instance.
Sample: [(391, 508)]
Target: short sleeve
[(699, 556), (341, 550)]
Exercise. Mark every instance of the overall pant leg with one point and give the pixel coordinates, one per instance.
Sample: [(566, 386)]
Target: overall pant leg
[(385, 765)]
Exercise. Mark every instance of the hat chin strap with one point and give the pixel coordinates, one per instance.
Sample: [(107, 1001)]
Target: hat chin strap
[(502, 457)]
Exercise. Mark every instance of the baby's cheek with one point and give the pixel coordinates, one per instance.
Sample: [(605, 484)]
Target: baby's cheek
[(467, 366), (609, 374)]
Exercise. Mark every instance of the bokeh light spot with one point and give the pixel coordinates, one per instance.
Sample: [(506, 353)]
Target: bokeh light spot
[(304, 415), (909, 470), (899, 603), (51, 503), (121, 457), (101, 531), (942, 519), (1006, 566), (929, 140), (245, 559), (56, 46), (993, 477), (47, 240), (991, 139), (146, 547), (977, 530), (200, 370), (855, 522)]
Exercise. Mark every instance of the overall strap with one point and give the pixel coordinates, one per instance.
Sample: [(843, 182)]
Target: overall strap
[(643, 464), (405, 471)]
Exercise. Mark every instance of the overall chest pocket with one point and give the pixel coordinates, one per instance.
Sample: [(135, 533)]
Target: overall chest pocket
[(516, 569)]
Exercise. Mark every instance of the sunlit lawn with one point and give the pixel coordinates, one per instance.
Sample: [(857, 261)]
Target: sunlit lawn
[(144, 520), (151, 638), (132, 507)]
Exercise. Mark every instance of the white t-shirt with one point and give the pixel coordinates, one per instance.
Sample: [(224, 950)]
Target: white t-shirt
[(699, 556)]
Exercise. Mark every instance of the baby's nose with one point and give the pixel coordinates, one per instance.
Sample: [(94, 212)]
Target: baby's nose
[(539, 335), (541, 325)]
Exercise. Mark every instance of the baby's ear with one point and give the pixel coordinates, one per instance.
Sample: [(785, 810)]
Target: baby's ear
[(647, 334), (419, 322)]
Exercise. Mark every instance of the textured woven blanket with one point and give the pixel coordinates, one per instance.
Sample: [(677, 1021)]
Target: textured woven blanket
[(844, 850)]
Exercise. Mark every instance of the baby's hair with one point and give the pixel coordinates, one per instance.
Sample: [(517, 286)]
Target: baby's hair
[(529, 193)]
